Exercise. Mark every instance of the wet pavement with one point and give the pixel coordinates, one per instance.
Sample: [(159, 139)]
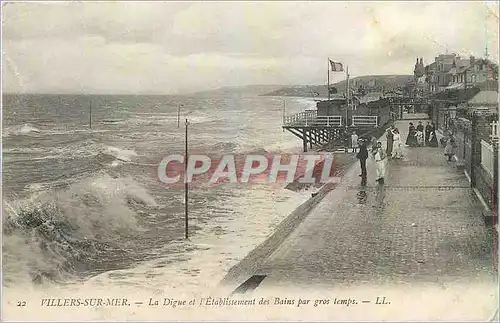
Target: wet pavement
[(422, 225)]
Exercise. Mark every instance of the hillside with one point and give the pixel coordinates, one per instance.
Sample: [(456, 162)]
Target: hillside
[(373, 82), (247, 89)]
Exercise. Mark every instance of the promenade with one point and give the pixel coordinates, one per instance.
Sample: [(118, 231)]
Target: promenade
[(422, 226)]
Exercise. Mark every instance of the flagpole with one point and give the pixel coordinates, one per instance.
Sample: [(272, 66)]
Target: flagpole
[(90, 114), (284, 112), (328, 77)]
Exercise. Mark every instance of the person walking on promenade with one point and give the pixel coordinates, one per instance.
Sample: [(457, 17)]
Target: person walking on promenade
[(428, 129), (433, 142), (380, 159), (420, 133), (390, 141), (362, 155), (450, 148), (411, 140), (354, 142), (397, 146)]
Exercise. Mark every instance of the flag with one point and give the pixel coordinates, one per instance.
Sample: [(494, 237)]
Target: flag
[(336, 66)]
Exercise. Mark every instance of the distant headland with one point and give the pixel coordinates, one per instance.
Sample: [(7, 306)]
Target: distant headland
[(372, 83)]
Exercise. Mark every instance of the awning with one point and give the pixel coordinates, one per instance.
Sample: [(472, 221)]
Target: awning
[(455, 86)]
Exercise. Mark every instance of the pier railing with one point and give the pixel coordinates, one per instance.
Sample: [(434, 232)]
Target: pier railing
[(311, 118), (364, 121), (329, 121), (300, 118)]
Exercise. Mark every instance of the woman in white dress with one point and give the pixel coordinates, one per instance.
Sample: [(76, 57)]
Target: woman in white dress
[(380, 160), (354, 142), (397, 151)]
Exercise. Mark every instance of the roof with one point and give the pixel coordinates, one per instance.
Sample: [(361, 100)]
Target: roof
[(489, 98), (460, 65), (455, 86), (482, 61)]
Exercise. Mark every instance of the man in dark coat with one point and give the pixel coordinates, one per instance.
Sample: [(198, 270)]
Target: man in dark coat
[(362, 156), (433, 142), (390, 140)]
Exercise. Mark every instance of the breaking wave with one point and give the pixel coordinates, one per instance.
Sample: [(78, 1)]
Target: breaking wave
[(18, 130), (54, 235), (120, 154), (76, 150)]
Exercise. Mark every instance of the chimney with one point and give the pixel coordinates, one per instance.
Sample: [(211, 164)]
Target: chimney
[(472, 60)]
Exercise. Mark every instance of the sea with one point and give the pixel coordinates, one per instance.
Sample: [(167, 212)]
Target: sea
[(83, 207)]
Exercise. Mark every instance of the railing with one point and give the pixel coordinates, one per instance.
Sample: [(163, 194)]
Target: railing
[(487, 160), (358, 121), (329, 121), (306, 117), (311, 118)]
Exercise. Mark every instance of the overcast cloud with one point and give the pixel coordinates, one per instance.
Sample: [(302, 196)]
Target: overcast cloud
[(155, 47)]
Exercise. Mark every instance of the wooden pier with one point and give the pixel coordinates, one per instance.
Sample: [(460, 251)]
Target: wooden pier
[(333, 122), (318, 130)]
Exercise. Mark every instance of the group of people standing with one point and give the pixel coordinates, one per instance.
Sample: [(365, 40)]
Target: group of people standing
[(417, 136)]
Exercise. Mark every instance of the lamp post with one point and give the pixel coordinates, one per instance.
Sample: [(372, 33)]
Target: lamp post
[(179, 115)]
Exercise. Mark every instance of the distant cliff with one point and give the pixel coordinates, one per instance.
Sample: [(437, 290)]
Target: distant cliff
[(239, 90), (376, 83)]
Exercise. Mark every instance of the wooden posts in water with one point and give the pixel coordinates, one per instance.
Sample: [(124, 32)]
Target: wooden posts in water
[(186, 187), (284, 111), (90, 115), (178, 115)]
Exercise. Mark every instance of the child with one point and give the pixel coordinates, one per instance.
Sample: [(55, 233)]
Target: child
[(354, 142), (450, 148), (420, 138)]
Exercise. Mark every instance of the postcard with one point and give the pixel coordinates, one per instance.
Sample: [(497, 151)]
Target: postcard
[(250, 161)]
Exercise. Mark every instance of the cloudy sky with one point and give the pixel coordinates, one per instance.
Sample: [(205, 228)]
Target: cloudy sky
[(172, 47)]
